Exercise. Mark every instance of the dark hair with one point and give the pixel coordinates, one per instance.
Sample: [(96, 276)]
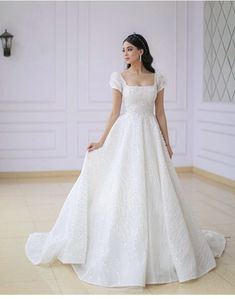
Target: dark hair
[(140, 42)]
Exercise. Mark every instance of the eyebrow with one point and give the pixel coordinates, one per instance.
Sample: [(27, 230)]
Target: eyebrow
[(128, 47)]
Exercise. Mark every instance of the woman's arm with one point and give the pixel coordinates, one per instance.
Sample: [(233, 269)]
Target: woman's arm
[(115, 113), (113, 116), (161, 119)]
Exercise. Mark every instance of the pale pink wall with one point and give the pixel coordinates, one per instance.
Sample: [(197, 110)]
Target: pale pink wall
[(55, 96), (213, 123)]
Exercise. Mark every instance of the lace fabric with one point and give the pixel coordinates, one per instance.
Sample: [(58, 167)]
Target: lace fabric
[(126, 221)]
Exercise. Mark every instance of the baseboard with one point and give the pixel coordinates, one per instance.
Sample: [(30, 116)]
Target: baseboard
[(59, 173), (214, 177), (39, 174), (76, 173), (184, 169)]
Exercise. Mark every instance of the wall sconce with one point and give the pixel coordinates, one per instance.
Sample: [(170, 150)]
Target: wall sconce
[(6, 38)]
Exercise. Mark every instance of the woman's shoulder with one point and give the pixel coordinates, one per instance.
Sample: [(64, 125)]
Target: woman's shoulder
[(115, 75), (161, 79), (115, 80), (160, 72)]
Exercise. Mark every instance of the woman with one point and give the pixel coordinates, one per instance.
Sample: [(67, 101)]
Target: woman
[(126, 222)]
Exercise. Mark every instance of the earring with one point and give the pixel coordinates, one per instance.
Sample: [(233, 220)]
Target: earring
[(140, 58)]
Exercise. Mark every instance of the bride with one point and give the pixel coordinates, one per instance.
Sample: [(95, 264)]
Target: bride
[(126, 220)]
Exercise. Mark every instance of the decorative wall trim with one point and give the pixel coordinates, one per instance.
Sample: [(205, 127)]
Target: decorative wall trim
[(75, 173), (58, 102), (219, 49)]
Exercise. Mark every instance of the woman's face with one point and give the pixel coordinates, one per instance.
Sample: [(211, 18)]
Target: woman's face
[(130, 52)]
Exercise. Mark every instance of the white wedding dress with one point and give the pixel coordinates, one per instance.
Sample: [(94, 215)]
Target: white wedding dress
[(126, 221)]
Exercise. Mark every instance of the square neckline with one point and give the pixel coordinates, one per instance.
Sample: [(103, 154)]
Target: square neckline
[(154, 83)]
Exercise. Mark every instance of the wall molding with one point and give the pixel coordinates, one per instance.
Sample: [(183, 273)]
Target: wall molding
[(75, 173), (58, 102)]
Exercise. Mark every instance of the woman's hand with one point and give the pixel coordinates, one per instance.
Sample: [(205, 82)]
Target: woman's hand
[(94, 145), (169, 150)]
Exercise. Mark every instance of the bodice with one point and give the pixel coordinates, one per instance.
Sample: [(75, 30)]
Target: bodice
[(135, 98)]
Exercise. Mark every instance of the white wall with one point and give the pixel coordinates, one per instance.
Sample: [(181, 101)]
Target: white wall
[(214, 123), (54, 91)]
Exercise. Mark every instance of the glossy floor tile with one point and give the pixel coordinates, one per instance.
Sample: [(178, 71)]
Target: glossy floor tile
[(30, 205)]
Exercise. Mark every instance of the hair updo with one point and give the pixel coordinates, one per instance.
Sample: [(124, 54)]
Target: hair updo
[(140, 42)]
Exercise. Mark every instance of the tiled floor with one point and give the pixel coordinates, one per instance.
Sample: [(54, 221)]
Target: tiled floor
[(28, 205)]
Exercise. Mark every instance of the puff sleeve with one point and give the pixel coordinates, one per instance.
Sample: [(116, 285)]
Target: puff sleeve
[(115, 81), (161, 81)]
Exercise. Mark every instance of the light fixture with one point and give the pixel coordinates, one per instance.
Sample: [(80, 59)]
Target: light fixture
[(6, 38)]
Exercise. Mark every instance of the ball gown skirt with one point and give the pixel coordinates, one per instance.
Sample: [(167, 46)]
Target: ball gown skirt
[(126, 221)]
